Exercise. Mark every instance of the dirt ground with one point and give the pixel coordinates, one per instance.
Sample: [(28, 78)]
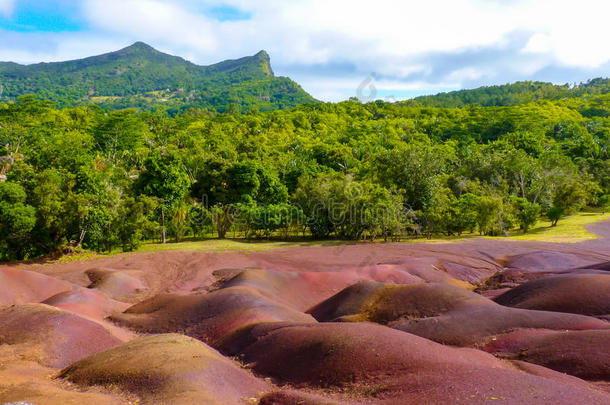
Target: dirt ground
[(478, 321)]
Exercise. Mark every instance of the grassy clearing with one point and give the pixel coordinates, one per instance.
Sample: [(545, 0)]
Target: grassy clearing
[(218, 245), (569, 230)]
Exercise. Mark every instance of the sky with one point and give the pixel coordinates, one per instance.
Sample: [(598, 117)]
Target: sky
[(336, 49)]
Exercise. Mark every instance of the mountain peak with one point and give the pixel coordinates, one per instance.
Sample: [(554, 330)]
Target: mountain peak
[(263, 55), (139, 47), (264, 61), (143, 77)]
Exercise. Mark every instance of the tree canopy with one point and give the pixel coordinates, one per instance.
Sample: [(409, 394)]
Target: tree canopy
[(80, 176)]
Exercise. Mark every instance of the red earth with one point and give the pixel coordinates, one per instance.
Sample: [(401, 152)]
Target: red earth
[(481, 321)]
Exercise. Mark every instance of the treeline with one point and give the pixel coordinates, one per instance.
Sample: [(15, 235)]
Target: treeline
[(82, 177), (515, 94)]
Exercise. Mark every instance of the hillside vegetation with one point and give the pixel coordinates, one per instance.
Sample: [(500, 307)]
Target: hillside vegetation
[(517, 93), (142, 77)]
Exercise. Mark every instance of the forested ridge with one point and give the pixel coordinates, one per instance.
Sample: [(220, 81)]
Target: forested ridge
[(141, 77), (100, 180), (516, 94)]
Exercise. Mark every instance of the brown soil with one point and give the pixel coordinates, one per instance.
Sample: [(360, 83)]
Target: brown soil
[(584, 354), (472, 326), (393, 366), (208, 317), (21, 287), (587, 294), (90, 303), (384, 303), (168, 369), (119, 285), (50, 336), (84, 315)]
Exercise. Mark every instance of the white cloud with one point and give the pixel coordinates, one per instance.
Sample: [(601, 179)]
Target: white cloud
[(154, 20), (416, 44), (7, 7)]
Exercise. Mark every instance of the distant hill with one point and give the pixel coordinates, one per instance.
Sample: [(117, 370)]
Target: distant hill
[(515, 94), (140, 76)]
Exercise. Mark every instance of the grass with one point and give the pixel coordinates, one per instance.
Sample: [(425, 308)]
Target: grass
[(569, 230), (219, 245)]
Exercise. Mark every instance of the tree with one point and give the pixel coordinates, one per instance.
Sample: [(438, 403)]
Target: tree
[(492, 218), (604, 203), (527, 214), (17, 219), (411, 168), (223, 217), (53, 228), (554, 214), (337, 204), (163, 177), (226, 186), (463, 214), (179, 223), (435, 216), (132, 221), (122, 131)]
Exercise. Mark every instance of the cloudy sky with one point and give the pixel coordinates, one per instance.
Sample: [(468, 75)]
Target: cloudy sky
[(333, 47)]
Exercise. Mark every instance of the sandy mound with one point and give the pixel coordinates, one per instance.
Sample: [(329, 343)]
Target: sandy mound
[(587, 294), (549, 261), (91, 303), (51, 336), (208, 317), (168, 369), (303, 289), (349, 301), (299, 290), (585, 354), (22, 286), (118, 285), (377, 362), (440, 312), (383, 303), (429, 270), (471, 326)]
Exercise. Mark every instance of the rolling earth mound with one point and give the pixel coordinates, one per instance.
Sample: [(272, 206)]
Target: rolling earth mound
[(584, 354), (390, 366), (587, 294), (51, 336), (168, 369), (476, 322), (208, 317)]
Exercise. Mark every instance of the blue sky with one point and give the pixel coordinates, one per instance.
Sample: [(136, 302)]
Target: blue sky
[(402, 48)]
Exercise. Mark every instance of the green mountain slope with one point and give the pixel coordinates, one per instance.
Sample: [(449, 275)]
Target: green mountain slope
[(140, 76), (515, 94)]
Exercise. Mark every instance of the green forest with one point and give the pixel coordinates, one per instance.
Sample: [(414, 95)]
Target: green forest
[(85, 178)]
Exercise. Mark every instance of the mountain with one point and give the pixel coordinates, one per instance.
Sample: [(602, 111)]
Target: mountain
[(515, 94), (142, 77)]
